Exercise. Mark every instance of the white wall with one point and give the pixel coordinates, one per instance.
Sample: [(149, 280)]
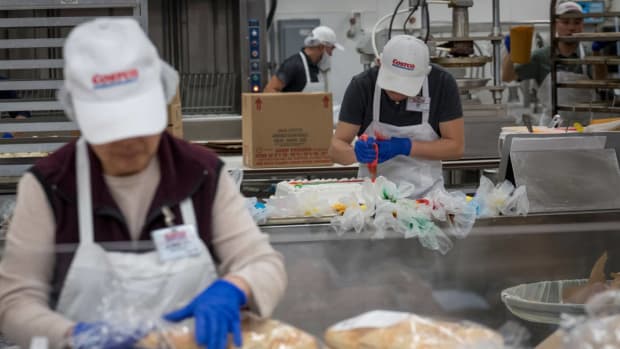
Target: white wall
[(336, 14)]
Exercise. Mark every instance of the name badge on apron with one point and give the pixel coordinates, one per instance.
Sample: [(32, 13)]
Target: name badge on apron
[(419, 103), (180, 241)]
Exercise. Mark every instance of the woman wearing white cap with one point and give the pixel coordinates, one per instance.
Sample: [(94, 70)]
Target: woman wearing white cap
[(307, 70), (129, 214), (539, 66), (409, 109)]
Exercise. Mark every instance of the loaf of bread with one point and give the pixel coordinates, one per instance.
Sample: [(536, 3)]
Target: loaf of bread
[(257, 334), (408, 332)]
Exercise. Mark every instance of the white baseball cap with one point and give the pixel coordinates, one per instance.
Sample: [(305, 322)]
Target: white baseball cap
[(404, 65), (113, 75), (568, 6), (323, 35)]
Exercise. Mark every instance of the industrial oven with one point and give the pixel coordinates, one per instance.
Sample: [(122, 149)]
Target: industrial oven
[(218, 47)]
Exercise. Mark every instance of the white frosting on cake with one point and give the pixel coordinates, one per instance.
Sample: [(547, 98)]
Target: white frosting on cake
[(332, 190), (316, 198)]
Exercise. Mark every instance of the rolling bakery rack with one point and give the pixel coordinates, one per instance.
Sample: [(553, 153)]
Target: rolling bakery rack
[(610, 107)]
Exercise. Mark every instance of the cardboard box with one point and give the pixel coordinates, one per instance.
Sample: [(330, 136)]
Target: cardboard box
[(175, 117), (286, 129)]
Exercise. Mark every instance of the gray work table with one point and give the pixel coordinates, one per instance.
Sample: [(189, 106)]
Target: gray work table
[(334, 277)]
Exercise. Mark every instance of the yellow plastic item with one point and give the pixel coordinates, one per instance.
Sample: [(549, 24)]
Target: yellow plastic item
[(521, 43), (579, 127)]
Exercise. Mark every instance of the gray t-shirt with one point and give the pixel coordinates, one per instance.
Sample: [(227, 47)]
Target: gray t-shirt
[(358, 101), (539, 65)]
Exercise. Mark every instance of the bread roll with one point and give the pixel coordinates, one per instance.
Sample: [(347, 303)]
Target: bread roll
[(256, 333), (414, 333)]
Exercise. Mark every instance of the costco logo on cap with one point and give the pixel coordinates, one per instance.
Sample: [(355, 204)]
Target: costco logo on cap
[(115, 79), (403, 65)]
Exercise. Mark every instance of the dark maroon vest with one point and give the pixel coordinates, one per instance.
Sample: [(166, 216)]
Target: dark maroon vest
[(187, 170)]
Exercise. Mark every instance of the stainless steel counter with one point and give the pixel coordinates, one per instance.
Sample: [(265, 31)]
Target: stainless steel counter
[(334, 277)]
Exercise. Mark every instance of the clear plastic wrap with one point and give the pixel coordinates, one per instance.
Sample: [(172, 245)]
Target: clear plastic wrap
[(308, 204), (387, 207), (395, 330), (120, 325), (502, 199), (123, 325), (600, 328), (389, 191), (454, 208), (352, 216), (385, 219), (517, 204), (256, 333), (259, 211), (417, 223)]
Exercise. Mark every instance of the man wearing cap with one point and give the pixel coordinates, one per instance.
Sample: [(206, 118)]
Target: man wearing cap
[(539, 66), (307, 70), (540, 63), (129, 219), (410, 109)]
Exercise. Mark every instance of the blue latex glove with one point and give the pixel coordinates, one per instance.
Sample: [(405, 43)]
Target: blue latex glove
[(217, 313), (599, 45), (507, 43), (365, 151), (105, 336), (393, 147)]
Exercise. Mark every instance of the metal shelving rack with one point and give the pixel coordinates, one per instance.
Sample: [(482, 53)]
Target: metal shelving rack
[(592, 60), (138, 8)]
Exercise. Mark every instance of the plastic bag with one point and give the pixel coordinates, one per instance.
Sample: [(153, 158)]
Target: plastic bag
[(256, 333), (259, 211), (351, 215), (390, 191), (395, 330), (517, 204), (491, 201), (352, 219), (600, 328), (415, 223), (480, 201), (385, 219), (454, 208), (118, 321)]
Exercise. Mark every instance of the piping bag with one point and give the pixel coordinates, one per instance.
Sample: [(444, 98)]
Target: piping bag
[(372, 166)]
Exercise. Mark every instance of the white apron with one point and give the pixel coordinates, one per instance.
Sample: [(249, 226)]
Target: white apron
[(140, 280), (567, 96), (320, 85), (424, 174)]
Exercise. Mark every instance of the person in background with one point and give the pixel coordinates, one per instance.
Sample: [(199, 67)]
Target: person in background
[(409, 109), (540, 63), (308, 70), (129, 214), (8, 95)]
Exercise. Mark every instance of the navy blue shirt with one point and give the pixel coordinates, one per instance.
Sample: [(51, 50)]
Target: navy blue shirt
[(293, 74), (357, 104)]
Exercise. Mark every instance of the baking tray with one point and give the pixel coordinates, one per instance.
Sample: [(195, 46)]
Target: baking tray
[(541, 302), (455, 62), (466, 84)]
